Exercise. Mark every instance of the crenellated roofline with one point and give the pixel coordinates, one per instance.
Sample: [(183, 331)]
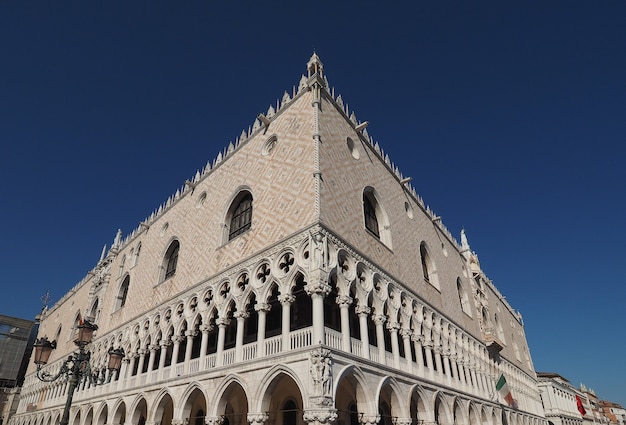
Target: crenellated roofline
[(261, 122)]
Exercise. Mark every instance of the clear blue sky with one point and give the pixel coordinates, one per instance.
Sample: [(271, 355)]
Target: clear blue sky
[(509, 116)]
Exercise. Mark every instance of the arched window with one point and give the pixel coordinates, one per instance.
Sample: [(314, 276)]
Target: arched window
[(241, 215), (122, 293), (463, 297), (136, 255), (498, 326), (121, 269), (428, 266), (369, 211), (376, 220), (170, 260), (77, 321), (93, 312)]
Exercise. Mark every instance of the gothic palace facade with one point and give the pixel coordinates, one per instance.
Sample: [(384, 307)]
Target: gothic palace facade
[(297, 279)]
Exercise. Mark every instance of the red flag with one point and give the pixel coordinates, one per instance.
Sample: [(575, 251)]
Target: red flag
[(581, 408)]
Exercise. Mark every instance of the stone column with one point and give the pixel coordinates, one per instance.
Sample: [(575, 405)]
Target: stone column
[(205, 329), (221, 322), (142, 359), (164, 343), (363, 312), (241, 317), (285, 302), (379, 320), (189, 334), (438, 362), (428, 348), (177, 340), (445, 357), (406, 341), (317, 290), (131, 366), (262, 309), (258, 418), (344, 303), (153, 349), (123, 370), (395, 349), (419, 356)]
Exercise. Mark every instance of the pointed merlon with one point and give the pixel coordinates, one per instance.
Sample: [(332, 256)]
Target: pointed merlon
[(104, 250)]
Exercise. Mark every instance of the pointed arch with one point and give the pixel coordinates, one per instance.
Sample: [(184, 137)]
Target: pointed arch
[(231, 399), (375, 217), (239, 214), (170, 261)]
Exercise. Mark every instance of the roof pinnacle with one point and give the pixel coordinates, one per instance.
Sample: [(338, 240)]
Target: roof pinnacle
[(315, 66)]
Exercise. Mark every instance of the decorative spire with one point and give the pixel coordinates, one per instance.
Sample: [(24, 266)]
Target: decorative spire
[(118, 239), (464, 244), (315, 66)]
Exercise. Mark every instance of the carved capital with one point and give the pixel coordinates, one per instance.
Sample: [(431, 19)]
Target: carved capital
[(401, 421), (379, 319), (217, 420), (177, 339), (320, 416), (222, 322), (241, 314), (363, 310), (344, 301), (206, 328), (164, 342), (180, 421), (190, 333), (406, 333), (393, 326), (318, 288), (258, 418), (369, 419), (286, 299), (417, 338), (264, 307)]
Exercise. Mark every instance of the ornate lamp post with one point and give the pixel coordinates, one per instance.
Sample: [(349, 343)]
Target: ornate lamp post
[(77, 367)]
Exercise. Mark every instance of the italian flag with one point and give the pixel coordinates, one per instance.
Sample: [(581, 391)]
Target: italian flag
[(504, 390)]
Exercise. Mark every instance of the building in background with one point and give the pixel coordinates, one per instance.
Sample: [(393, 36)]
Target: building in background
[(297, 278), (16, 343), (614, 412)]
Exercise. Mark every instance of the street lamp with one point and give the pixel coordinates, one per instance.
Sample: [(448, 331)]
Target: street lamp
[(76, 367)]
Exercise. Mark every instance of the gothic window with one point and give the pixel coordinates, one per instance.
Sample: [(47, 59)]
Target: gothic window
[(93, 313), (369, 210), (428, 266), (122, 293), (499, 330), (121, 269), (77, 321), (58, 334), (375, 217), (241, 215), (136, 255), (170, 260), (463, 297)]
